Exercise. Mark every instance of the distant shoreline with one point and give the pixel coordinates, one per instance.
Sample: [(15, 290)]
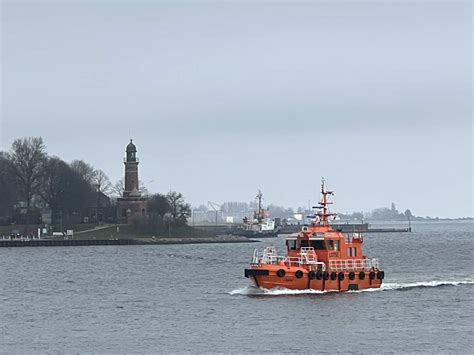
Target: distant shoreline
[(136, 241), (417, 219)]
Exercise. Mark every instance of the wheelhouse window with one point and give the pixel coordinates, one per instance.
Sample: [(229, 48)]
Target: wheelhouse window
[(333, 245), (318, 244), (291, 244)]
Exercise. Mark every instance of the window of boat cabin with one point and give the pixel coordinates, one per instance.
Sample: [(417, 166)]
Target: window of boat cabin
[(333, 245), (304, 243), (291, 243), (351, 251), (318, 244)]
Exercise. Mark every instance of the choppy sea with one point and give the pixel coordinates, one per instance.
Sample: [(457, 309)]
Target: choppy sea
[(194, 298)]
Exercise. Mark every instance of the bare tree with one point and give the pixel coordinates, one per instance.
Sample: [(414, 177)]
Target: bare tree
[(8, 189), (101, 182), (119, 188), (142, 188), (55, 183), (27, 157), (179, 209), (64, 190), (86, 171), (159, 205), (102, 185)]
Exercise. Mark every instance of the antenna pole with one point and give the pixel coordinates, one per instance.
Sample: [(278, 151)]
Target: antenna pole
[(259, 211), (323, 216)]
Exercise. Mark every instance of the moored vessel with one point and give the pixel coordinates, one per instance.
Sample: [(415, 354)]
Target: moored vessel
[(318, 258), (260, 225)]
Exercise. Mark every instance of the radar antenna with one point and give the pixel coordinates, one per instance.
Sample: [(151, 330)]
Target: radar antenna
[(324, 212), (261, 213)]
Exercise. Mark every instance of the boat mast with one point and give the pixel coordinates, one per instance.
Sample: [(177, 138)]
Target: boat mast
[(323, 205), (259, 211)]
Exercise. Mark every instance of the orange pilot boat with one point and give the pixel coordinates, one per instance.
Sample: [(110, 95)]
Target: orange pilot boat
[(318, 258)]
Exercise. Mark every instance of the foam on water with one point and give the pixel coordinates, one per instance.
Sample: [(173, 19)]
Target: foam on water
[(278, 291), (255, 291), (435, 283)]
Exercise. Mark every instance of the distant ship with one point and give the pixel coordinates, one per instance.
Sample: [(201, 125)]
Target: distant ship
[(260, 226), (318, 258)]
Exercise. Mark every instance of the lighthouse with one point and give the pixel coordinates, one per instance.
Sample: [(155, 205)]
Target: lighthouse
[(131, 171), (131, 203)]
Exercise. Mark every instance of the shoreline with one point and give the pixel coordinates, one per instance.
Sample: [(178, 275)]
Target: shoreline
[(205, 240), (17, 243)]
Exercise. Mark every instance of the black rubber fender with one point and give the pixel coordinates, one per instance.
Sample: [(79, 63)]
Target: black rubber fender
[(340, 276), (299, 274), (352, 275), (372, 275), (311, 275), (325, 275), (333, 275), (319, 275), (281, 273), (381, 275), (361, 275)]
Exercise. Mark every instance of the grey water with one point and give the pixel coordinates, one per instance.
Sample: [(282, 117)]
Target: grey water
[(194, 298)]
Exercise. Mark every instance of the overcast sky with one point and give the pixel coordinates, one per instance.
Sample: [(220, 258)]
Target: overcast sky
[(223, 99)]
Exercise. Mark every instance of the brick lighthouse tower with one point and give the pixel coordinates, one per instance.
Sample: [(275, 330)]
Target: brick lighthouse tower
[(131, 203)]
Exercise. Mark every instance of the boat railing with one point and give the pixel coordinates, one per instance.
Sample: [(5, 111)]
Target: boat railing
[(309, 255), (269, 257), (354, 264)]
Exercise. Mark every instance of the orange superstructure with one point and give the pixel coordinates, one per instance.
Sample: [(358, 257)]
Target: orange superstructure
[(318, 258)]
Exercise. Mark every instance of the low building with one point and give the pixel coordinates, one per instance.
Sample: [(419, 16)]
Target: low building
[(100, 208)]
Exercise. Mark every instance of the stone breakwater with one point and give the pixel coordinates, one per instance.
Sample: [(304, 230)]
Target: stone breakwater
[(146, 241)]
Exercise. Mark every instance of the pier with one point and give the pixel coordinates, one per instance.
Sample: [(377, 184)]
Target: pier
[(27, 242), (6, 243)]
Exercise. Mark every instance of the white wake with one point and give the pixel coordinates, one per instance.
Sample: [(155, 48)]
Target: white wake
[(277, 291), (398, 286), (255, 291)]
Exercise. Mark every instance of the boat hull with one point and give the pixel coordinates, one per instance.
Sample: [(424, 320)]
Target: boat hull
[(257, 235), (268, 277)]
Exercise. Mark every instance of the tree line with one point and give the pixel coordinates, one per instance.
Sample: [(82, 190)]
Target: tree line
[(380, 214), (31, 181)]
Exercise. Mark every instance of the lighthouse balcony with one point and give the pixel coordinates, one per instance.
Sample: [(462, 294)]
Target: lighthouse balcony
[(131, 160)]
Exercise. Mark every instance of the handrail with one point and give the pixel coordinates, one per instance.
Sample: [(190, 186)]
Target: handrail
[(308, 257), (269, 257), (354, 264)]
